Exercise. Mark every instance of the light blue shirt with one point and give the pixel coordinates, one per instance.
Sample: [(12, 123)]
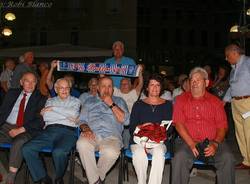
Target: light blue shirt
[(14, 112), (124, 60), (64, 112), (84, 96), (239, 79), (101, 119)]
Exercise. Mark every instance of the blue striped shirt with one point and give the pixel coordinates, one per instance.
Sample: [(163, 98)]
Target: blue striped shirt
[(100, 118)]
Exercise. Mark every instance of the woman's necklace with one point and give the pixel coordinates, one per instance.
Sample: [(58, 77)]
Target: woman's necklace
[(153, 107)]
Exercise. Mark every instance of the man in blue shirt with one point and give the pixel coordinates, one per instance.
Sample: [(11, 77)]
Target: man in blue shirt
[(239, 95), (118, 50), (102, 119)]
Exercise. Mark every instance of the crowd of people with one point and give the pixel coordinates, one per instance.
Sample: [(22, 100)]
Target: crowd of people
[(38, 111)]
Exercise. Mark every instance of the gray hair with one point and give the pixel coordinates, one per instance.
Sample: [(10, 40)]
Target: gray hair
[(62, 79), (234, 47), (200, 70), (118, 43)]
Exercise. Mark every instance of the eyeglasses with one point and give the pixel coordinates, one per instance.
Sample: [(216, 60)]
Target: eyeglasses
[(63, 88)]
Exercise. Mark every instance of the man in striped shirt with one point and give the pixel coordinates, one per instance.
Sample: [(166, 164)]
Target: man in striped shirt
[(199, 115)]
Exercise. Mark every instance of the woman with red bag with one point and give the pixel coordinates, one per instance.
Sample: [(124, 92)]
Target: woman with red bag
[(152, 109)]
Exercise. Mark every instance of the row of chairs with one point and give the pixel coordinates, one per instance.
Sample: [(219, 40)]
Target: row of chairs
[(124, 158)]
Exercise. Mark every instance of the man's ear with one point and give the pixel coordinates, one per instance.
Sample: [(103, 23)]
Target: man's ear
[(207, 82), (21, 82), (55, 90)]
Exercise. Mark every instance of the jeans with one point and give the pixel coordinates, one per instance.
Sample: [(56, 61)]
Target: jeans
[(60, 139)]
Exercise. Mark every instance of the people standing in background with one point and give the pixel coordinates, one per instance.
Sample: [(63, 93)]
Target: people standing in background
[(7, 74), (239, 95), (21, 68), (118, 58)]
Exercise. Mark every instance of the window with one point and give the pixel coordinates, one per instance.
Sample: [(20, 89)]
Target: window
[(113, 6), (204, 38), (164, 36), (217, 39), (191, 38), (164, 14), (178, 37), (33, 37), (74, 37), (43, 36)]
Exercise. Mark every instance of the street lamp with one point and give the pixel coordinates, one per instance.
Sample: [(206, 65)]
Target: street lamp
[(7, 31), (10, 16), (243, 28)]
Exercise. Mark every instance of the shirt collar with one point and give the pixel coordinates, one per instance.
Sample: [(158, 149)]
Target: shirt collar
[(202, 98), (239, 62), (28, 94)]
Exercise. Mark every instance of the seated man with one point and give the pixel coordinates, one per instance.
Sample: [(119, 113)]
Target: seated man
[(199, 115), (102, 120), (20, 119), (60, 115)]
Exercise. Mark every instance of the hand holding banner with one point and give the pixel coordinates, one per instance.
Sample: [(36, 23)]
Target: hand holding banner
[(99, 68)]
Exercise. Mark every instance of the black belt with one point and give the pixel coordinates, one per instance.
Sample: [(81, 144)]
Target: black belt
[(62, 126), (241, 97)]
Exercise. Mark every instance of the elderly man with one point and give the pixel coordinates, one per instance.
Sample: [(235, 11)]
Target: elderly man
[(60, 115), (20, 119), (21, 68), (239, 95), (199, 115), (6, 74), (118, 50), (102, 120)]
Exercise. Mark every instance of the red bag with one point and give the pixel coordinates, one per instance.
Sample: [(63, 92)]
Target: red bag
[(153, 132)]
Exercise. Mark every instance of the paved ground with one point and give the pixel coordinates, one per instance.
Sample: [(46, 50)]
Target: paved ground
[(202, 176)]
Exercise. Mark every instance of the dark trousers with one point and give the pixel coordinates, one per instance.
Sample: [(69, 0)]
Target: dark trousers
[(60, 140), (183, 162), (15, 158)]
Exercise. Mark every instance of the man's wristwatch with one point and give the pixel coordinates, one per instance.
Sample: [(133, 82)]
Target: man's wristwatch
[(112, 105)]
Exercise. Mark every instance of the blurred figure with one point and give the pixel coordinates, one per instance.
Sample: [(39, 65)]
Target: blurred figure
[(44, 70), (210, 76), (21, 68), (221, 82), (50, 81), (6, 74), (92, 85), (177, 91), (118, 51)]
